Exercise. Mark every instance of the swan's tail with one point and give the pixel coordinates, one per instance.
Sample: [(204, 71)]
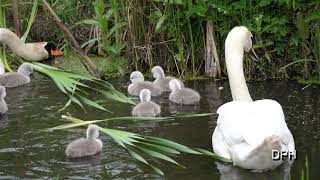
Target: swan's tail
[(260, 158)]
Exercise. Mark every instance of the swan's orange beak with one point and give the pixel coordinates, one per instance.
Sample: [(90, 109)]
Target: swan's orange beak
[(56, 53)]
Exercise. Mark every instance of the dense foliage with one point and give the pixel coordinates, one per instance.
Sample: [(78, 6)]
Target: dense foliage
[(172, 33)]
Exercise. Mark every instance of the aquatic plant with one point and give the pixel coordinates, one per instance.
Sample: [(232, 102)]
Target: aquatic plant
[(106, 34), (70, 84), (149, 146), (3, 54)]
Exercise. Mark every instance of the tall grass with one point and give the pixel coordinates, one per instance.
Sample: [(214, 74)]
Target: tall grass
[(178, 27), (171, 33), (3, 54)]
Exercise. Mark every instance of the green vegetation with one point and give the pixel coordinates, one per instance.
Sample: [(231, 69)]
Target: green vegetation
[(76, 86), (171, 33)]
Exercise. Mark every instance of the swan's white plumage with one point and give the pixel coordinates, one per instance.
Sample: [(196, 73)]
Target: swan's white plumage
[(243, 126), (252, 121), (247, 131)]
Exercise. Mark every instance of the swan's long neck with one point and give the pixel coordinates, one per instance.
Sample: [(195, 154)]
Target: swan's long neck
[(12, 40), (234, 61), (28, 51)]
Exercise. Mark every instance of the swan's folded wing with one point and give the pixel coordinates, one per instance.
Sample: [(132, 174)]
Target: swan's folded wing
[(231, 121), (252, 122), (268, 120)]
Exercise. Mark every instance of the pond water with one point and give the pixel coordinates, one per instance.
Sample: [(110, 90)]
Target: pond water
[(26, 152)]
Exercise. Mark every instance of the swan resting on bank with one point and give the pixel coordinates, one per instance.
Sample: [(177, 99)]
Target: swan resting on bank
[(19, 78), (146, 107), (138, 84), (85, 146), (29, 51), (181, 95), (161, 80), (248, 131)]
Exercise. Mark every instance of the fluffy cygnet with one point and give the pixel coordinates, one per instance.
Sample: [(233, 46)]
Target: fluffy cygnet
[(85, 146), (146, 107), (161, 80), (138, 84), (180, 95)]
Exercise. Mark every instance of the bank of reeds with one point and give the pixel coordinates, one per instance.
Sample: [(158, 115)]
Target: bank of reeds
[(172, 33)]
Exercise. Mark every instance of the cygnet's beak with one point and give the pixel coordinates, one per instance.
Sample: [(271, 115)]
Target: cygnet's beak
[(253, 55), (129, 82)]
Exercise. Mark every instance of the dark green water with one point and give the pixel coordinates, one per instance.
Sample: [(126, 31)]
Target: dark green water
[(27, 153)]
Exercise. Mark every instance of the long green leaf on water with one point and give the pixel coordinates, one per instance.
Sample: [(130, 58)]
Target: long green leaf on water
[(152, 147), (158, 155), (210, 154), (141, 159), (93, 104), (70, 83), (160, 148), (194, 115)]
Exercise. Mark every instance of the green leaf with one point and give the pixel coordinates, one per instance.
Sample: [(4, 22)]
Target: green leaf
[(91, 41), (198, 10), (88, 21), (161, 148), (170, 144), (214, 156), (137, 157), (115, 28), (93, 104), (194, 115), (159, 155), (314, 16), (31, 20), (160, 22), (141, 159)]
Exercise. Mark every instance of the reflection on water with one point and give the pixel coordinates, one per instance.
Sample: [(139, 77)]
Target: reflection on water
[(229, 172), (26, 152)]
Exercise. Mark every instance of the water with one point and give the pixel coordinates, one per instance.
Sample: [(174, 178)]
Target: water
[(26, 152)]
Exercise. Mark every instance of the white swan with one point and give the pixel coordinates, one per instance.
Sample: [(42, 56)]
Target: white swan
[(247, 131), (30, 51)]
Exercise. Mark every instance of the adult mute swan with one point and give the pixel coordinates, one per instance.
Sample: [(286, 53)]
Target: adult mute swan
[(30, 51), (146, 107), (161, 80), (247, 131), (85, 146), (138, 84)]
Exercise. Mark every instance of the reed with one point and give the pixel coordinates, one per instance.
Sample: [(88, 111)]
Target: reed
[(171, 33), (141, 147)]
